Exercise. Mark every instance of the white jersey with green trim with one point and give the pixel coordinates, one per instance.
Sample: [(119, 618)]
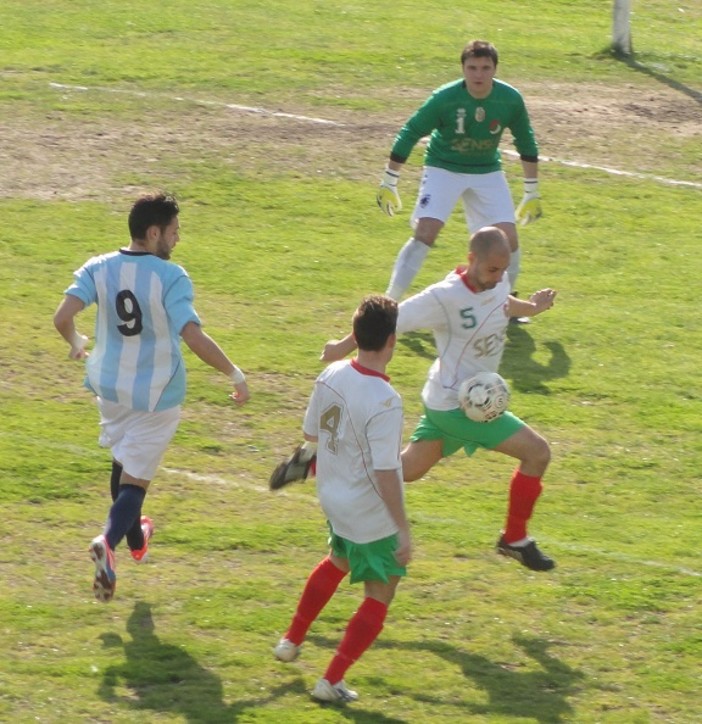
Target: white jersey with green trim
[(356, 416), (469, 330)]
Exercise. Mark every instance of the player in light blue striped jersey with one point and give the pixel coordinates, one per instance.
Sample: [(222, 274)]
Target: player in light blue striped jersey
[(136, 369)]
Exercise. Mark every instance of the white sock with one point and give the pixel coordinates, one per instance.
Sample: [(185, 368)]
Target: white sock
[(409, 261), (513, 268)]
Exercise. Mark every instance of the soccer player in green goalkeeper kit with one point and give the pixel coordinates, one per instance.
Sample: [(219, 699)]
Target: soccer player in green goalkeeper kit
[(465, 120)]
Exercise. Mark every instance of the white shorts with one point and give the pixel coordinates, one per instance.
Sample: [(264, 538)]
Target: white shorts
[(486, 197), (137, 439)]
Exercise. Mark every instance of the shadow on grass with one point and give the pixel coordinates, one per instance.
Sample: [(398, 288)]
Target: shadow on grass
[(419, 343), (518, 365), (523, 371), (539, 694), (631, 61), (164, 678)]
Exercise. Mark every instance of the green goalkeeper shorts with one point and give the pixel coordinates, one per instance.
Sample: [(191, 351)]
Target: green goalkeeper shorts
[(456, 431), (373, 561)]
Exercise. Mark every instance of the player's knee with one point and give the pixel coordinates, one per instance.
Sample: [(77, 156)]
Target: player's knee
[(541, 453), (427, 230)]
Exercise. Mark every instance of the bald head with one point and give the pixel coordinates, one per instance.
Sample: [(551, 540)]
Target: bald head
[(487, 240), (488, 258)]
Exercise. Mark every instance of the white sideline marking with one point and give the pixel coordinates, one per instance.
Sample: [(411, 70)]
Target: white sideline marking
[(613, 171), (292, 492), (196, 101), (324, 121)]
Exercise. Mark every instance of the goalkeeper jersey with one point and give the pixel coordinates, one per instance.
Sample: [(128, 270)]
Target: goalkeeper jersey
[(466, 131), (469, 329), (143, 304), (356, 416)]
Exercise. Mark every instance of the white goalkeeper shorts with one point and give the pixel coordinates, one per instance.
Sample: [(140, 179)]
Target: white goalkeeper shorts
[(486, 197), (137, 439)]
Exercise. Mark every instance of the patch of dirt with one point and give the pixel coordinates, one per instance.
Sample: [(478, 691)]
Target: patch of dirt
[(626, 128), (66, 156)]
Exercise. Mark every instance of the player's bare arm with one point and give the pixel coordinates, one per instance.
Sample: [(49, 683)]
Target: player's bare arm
[(337, 349), (390, 487), (212, 354), (538, 302), (64, 321)]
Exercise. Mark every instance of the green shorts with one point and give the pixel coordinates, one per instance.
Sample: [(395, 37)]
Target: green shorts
[(457, 431), (368, 561)]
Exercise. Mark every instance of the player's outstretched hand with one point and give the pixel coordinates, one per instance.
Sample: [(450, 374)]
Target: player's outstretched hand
[(529, 208), (387, 197), (543, 299)]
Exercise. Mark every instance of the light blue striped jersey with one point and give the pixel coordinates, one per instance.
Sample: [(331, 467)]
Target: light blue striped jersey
[(143, 304)]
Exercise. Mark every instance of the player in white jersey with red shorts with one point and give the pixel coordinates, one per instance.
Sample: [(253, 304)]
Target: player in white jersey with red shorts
[(468, 313), (354, 417), (136, 369)]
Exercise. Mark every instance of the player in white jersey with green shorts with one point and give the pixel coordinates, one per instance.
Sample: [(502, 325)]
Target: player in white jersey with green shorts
[(355, 418), (468, 313), (465, 120), (136, 368)]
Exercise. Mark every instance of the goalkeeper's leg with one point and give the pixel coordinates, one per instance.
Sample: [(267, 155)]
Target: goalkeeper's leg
[(412, 255), (513, 268), (409, 261)]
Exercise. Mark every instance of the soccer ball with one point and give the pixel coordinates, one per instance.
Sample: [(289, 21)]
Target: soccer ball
[(484, 397)]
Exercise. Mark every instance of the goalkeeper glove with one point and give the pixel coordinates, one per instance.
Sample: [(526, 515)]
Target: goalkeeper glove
[(530, 207), (387, 197)]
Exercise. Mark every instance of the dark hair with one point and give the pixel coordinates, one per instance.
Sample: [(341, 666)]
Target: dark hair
[(151, 210), (374, 321), (479, 49)]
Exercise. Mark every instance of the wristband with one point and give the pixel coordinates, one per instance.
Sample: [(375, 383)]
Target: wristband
[(78, 341), (391, 177), (237, 376)]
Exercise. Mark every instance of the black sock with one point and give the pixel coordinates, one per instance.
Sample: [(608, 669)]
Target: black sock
[(124, 514), (135, 535), (115, 479)]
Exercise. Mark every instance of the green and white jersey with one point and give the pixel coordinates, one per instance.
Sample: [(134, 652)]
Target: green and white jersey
[(356, 416), (469, 328), (466, 131)]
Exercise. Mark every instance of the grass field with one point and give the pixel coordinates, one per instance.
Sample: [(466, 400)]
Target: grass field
[(271, 121)]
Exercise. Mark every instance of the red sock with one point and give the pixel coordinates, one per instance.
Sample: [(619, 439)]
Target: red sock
[(320, 587), (363, 629), (523, 493)]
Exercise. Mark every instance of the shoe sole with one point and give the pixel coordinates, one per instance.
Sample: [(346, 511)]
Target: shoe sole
[(105, 578), (516, 556)]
